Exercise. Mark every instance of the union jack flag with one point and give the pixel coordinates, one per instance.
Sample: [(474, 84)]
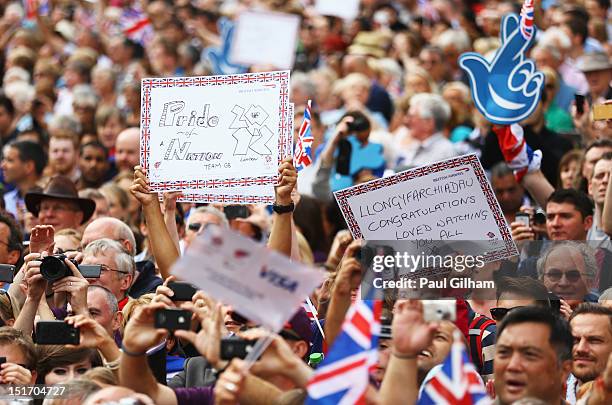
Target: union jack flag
[(303, 152), (136, 26), (526, 21), (457, 382), (518, 154), (343, 377)]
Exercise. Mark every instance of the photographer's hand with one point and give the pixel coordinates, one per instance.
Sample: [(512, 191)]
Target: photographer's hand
[(41, 239), (208, 340), (76, 287), (11, 373), (342, 130), (36, 286)]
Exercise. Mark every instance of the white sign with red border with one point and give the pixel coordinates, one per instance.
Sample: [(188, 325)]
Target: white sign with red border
[(450, 200), (202, 134)]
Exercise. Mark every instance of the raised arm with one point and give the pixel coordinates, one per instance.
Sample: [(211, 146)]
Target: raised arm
[(162, 244), (347, 280), (538, 186), (139, 336), (411, 335), (280, 235)]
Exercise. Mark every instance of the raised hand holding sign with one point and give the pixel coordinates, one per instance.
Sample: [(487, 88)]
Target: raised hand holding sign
[(507, 89)]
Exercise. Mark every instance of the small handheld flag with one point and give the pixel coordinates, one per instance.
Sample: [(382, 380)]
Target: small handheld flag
[(302, 156), (343, 376), (457, 382)]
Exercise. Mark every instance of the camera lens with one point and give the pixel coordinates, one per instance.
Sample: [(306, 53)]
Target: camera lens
[(539, 217), (53, 268)]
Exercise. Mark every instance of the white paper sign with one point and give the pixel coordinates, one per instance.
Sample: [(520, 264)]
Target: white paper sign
[(260, 284), (345, 9), (265, 38), (214, 132), (450, 200)]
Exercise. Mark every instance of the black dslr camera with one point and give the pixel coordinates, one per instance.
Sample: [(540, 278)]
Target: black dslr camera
[(53, 268)]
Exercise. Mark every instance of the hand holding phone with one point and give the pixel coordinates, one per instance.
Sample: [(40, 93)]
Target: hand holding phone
[(523, 218), (579, 100), (173, 319), (182, 291), (56, 333)]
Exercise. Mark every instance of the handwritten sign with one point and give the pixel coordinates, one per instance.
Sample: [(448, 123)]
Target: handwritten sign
[(265, 38), (215, 132), (261, 284), (345, 9), (450, 200), (245, 194)]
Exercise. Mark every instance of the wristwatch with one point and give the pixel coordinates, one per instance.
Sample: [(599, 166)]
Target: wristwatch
[(283, 209)]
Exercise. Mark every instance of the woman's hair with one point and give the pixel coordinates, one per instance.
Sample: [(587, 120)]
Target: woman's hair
[(575, 155), (101, 375), (70, 233), (309, 219), (132, 304), (50, 357), (6, 309), (116, 191)]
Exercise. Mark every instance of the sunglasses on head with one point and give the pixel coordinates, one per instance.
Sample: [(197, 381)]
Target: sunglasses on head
[(555, 275), (498, 313)]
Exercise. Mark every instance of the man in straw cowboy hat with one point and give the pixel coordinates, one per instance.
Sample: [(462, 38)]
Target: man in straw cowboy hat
[(59, 205)]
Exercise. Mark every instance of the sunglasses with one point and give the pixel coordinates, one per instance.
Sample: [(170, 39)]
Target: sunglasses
[(498, 313), (555, 275)]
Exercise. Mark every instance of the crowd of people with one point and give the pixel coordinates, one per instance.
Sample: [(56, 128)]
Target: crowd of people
[(388, 95)]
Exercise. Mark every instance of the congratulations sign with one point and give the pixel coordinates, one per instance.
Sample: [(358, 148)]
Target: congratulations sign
[(450, 200)]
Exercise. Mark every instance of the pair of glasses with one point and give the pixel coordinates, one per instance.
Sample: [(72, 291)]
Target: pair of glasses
[(104, 267), (498, 313), (555, 275)]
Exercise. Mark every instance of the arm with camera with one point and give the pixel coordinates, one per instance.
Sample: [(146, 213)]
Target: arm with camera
[(14, 374), (208, 340), (140, 335), (74, 287), (41, 240), (347, 280), (580, 111), (35, 293), (93, 335), (163, 247), (320, 186), (410, 335), (280, 235)]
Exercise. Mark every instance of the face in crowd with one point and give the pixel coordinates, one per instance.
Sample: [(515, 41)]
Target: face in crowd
[(592, 345), (565, 273), (526, 364)]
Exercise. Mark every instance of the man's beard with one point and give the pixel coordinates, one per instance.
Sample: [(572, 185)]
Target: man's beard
[(586, 375)]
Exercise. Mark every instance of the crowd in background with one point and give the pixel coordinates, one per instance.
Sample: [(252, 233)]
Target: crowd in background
[(386, 87)]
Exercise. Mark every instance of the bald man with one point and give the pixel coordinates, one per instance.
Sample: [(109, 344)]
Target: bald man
[(147, 279), (127, 149)]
